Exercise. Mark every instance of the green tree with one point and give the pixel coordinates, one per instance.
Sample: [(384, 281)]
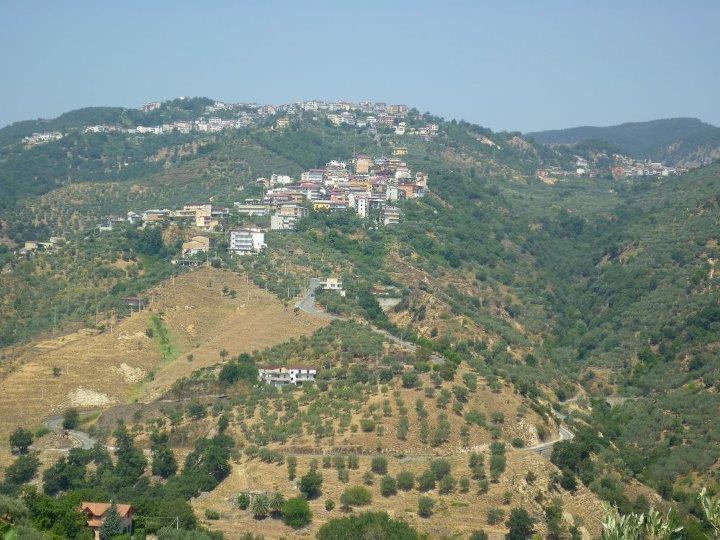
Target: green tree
[(112, 525), (243, 501), (163, 461), (296, 512), (20, 440), (22, 470), (311, 484), (71, 419), (355, 496), (367, 525), (520, 524)]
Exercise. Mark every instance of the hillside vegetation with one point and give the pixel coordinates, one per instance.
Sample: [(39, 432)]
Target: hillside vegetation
[(567, 295), (681, 141)]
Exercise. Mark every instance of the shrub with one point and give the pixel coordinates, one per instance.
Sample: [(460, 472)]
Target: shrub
[(211, 514), (367, 424), (439, 468), (464, 484), (20, 440), (405, 480), (355, 496), (311, 484), (260, 506), (426, 481), (447, 484), (388, 486), (494, 516), (367, 525), (22, 470), (368, 478), (277, 502), (243, 501), (344, 475), (329, 505), (71, 419), (520, 525), (379, 465), (410, 379), (479, 535), (425, 506), (517, 442), (292, 467), (296, 512), (353, 461)]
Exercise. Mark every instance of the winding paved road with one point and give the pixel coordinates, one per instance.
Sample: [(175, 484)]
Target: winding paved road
[(85, 440)]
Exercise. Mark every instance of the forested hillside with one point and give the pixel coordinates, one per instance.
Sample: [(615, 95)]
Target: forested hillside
[(587, 287), (680, 141)]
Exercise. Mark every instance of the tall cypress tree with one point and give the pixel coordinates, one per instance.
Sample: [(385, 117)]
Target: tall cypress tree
[(112, 526)]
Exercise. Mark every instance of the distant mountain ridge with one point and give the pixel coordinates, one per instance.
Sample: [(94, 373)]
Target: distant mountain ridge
[(679, 141)]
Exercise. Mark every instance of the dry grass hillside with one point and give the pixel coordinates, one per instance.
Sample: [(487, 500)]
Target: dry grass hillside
[(95, 369), (456, 514)]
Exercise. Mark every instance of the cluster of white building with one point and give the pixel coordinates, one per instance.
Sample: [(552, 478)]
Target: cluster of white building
[(366, 185), (623, 167), (41, 138)]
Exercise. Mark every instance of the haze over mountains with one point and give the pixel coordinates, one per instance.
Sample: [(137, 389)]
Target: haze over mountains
[(678, 141)]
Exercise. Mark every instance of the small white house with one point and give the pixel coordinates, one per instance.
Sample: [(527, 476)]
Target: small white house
[(282, 376)]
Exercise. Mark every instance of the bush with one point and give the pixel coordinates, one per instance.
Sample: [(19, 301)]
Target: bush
[(379, 465), (426, 481), (388, 486), (494, 516), (329, 505), (479, 535), (440, 468), (367, 424), (277, 502), (425, 506), (243, 501), (517, 442), (296, 512), (311, 484), (260, 506), (520, 525), (356, 496), (368, 478), (367, 525), (71, 419), (292, 467), (22, 470), (353, 461), (212, 514), (20, 440), (405, 480), (447, 484)]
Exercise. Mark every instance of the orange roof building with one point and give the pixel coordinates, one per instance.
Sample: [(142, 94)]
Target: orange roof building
[(95, 513)]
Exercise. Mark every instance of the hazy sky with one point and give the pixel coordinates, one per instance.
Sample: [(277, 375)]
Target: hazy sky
[(506, 65)]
